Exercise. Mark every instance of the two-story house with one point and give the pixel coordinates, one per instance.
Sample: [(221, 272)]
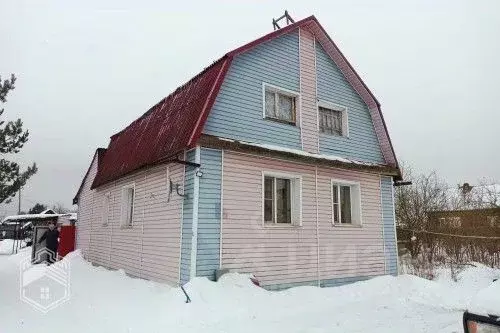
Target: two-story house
[(274, 160)]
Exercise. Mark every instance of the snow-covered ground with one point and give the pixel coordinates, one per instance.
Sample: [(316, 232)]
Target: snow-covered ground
[(110, 301)]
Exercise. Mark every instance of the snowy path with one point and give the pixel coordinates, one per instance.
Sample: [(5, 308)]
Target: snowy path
[(106, 301)]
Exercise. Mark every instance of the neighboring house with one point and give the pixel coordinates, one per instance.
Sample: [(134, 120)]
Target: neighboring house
[(21, 226), (475, 220), (274, 160)]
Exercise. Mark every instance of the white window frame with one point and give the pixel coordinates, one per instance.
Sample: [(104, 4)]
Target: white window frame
[(335, 107), (282, 91), (356, 203), (106, 208), (123, 218), (296, 196), (442, 222)]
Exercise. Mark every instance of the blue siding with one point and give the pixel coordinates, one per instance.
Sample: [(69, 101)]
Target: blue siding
[(362, 143), (237, 112), (187, 219), (336, 282), (209, 213), (388, 220)]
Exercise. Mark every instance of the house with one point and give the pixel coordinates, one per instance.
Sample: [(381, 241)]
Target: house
[(477, 221), (21, 226), (274, 160)]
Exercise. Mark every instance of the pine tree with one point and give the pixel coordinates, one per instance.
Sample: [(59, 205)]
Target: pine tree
[(12, 139), (37, 208)]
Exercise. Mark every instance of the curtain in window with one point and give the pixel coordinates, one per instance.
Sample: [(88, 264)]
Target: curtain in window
[(345, 204), (270, 104), (336, 203), (285, 108), (268, 199), (283, 201), (330, 121), (130, 205)]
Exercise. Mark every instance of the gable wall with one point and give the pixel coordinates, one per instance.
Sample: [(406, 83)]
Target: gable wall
[(296, 62), (362, 143), (238, 109)]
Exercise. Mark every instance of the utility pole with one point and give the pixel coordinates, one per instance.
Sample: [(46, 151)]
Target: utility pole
[(19, 204)]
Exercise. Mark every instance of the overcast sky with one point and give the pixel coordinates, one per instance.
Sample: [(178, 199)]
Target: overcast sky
[(88, 68)]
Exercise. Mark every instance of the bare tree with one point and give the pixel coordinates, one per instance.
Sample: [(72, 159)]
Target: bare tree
[(413, 203), (60, 209)]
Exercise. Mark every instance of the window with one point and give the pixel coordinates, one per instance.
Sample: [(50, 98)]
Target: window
[(281, 200), (455, 222), (442, 222), (493, 221), (332, 119), (127, 212), (280, 104), (105, 209), (346, 203)]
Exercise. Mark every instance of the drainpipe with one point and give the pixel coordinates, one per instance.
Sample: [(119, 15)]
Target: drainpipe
[(317, 225), (194, 238)]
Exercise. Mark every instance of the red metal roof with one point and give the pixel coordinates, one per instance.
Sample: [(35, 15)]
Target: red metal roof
[(176, 122), (163, 131)]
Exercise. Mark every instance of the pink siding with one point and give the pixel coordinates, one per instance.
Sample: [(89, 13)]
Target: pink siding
[(151, 248), (350, 251), (289, 254), (85, 206), (309, 112)]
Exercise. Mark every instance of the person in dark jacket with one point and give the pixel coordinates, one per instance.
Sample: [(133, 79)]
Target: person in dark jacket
[(51, 238)]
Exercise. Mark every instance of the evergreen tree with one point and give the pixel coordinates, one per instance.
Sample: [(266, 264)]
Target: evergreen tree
[(37, 208), (12, 139)]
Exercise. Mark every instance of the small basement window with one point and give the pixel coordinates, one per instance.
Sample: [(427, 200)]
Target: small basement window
[(127, 211), (346, 203), (332, 119), (280, 104), (281, 200)]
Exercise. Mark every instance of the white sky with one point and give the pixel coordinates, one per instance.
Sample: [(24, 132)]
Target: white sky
[(86, 69)]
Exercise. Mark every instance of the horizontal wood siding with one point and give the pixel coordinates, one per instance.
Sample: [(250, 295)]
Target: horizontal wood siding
[(149, 249), (209, 214), (187, 219), (308, 110), (289, 254), (238, 109), (391, 251), (349, 251), (362, 143), (274, 254), (85, 209)]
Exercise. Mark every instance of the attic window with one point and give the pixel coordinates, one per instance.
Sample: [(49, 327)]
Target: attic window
[(332, 119), (280, 104)]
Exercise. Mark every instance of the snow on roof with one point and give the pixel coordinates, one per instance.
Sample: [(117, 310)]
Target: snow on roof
[(15, 218), (301, 152)]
